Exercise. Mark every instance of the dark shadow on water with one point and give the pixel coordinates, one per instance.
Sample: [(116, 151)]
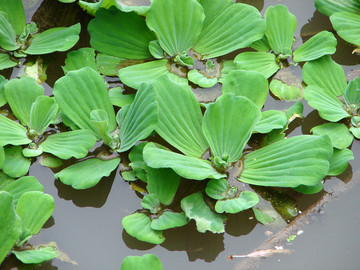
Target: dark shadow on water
[(313, 119), (12, 263), (241, 223), (259, 4), (49, 223), (133, 243)]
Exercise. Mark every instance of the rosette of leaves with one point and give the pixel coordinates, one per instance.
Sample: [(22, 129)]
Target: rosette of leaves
[(24, 209), (330, 94), (119, 132), (344, 17), (182, 29), (18, 39)]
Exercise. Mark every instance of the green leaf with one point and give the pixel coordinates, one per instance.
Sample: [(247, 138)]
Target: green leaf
[(271, 120), (36, 256), (15, 164), (152, 203), (250, 84), (163, 183), (169, 220), (310, 189), (327, 74), (227, 67), (228, 124), (42, 113), (295, 111), (217, 188), (107, 64), (87, 173), (119, 99), (280, 29), (338, 133), (262, 217), (2, 156), (352, 93), (148, 72), (50, 162), (328, 105), (186, 167), (232, 27), (14, 11), (300, 160), (84, 57), (128, 175), (141, 118), (126, 34), (7, 34), (137, 162), (257, 61), (6, 62), (241, 202), (5, 180), (147, 261), (21, 94), (12, 132), (34, 208), (100, 120), (184, 59), (329, 7), (31, 151), (180, 28), (195, 208), (55, 39), (180, 117), (355, 131), (10, 225), (69, 144), (155, 49), (70, 92), (22, 185), (138, 226), (321, 44), (284, 91), (195, 76), (340, 161), (261, 45)]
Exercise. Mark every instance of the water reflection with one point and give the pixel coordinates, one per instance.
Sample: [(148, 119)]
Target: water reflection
[(241, 223)]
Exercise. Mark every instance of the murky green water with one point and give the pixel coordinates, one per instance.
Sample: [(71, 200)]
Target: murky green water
[(86, 224)]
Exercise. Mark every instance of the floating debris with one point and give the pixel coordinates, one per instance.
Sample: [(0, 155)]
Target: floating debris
[(264, 253)]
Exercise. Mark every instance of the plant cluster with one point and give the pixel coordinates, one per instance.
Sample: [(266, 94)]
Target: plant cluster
[(157, 50)]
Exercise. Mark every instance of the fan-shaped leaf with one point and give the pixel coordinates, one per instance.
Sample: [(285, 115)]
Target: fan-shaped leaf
[(6, 62), (87, 173), (352, 93), (233, 27), (250, 84), (327, 74), (37, 255), (329, 7), (180, 28), (100, 120), (12, 132), (216, 188), (346, 25), (21, 94), (147, 261), (261, 45), (119, 99), (15, 164), (321, 44), (198, 78), (228, 124), (257, 61), (169, 220), (243, 201), (152, 203), (7, 35), (84, 57), (69, 144), (137, 162), (340, 161), (338, 133), (155, 49), (271, 120), (355, 131), (14, 11), (284, 91), (187, 167), (127, 35), (300, 160)]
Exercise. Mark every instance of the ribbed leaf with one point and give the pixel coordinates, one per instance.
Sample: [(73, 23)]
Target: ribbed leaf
[(233, 27), (284, 91), (271, 120), (100, 120), (10, 225), (355, 131), (329, 106), (257, 61), (126, 34), (250, 84), (217, 188), (213, 8), (156, 50), (42, 113), (180, 117), (177, 24), (228, 124), (300, 160), (152, 203), (329, 7), (119, 99), (21, 94), (12, 132), (107, 64), (261, 45), (147, 261), (169, 220), (14, 11), (321, 44), (198, 78), (346, 25), (338, 133), (243, 201), (163, 183), (206, 220), (352, 93), (37, 255), (34, 208), (340, 161), (87, 173), (141, 118), (327, 74), (55, 39), (22, 185), (186, 167), (65, 145), (138, 226), (15, 164), (7, 34), (6, 62), (71, 90), (280, 28), (2, 156), (84, 57)]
